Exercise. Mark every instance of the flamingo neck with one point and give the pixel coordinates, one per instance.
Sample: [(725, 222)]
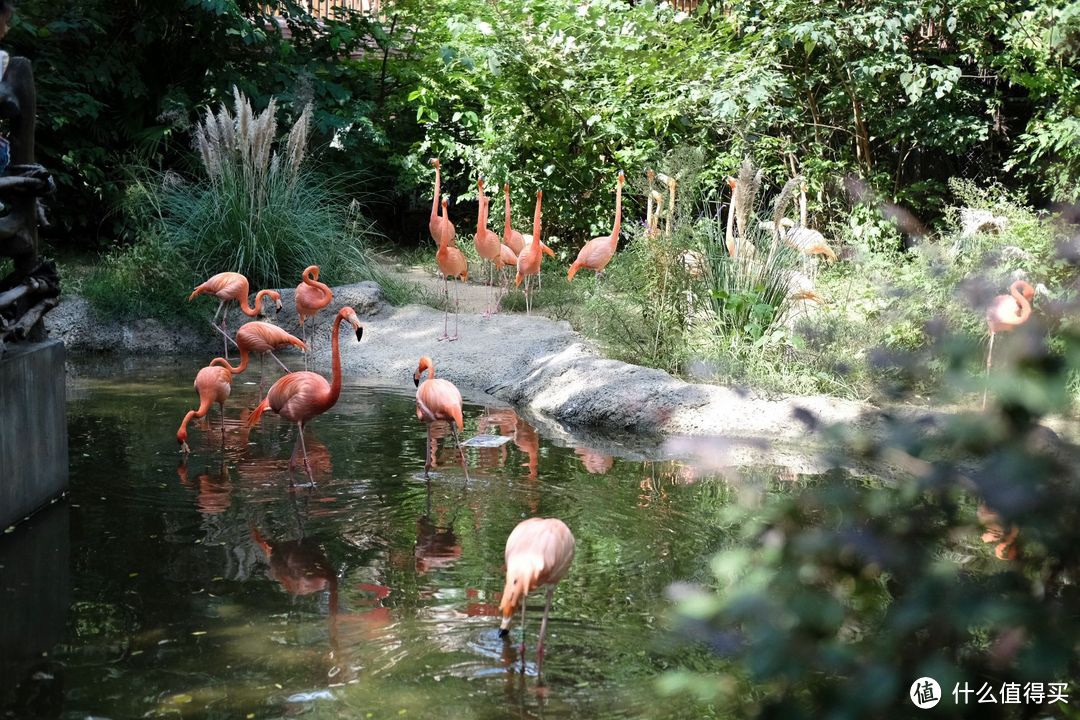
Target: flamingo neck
[(481, 217), (244, 357), (205, 401), (1022, 303), (327, 293), (802, 208), (435, 200), (249, 310), (335, 384), (618, 213), (506, 228), (534, 248), (729, 234)]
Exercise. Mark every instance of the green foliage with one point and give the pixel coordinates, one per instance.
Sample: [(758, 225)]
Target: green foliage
[(259, 212), (151, 278), (117, 79), (843, 593)]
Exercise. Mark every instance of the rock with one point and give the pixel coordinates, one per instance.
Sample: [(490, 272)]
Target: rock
[(974, 221)]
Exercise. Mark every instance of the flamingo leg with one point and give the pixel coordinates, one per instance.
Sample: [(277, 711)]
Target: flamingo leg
[(989, 356), (543, 630), (427, 452), (283, 366), (457, 310), (303, 449), (461, 450), (446, 308), (523, 604), (225, 335), (225, 330)]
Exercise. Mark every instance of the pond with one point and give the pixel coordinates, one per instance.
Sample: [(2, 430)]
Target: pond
[(211, 588)]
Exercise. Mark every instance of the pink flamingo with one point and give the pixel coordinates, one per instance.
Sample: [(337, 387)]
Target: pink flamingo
[(539, 551), (311, 297), (438, 399), (1007, 312), (451, 263), (442, 230), (528, 263), (488, 244), (262, 338), (301, 396), (213, 383), (597, 253), (228, 286)]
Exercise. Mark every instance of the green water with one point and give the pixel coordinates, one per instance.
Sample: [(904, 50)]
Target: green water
[(378, 599)]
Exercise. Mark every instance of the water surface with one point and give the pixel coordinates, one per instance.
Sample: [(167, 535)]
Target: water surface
[(211, 588)]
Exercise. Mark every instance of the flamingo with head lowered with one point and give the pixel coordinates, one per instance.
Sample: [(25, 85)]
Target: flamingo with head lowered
[(262, 338), (213, 383), (228, 286), (538, 552), (1007, 312), (301, 396), (597, 253)]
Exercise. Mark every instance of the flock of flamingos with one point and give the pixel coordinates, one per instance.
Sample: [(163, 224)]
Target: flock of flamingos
[(539, 551)]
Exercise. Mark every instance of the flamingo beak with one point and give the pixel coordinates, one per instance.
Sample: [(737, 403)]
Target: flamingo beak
[(504, 632), (416, 380), (359, 333), (278, 310)]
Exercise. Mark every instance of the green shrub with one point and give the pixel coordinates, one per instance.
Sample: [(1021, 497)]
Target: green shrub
[(150, 278)]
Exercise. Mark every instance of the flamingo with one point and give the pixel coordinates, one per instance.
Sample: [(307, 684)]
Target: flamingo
[(262, 338), (671, 184), (488, 244), (438, 399), (228, 286), (650, 195), (311, 297), (512, 238), (451, 263), (538, 552), (528, 262), (1007, 312), (301, 396), (597, 253), (441, 228), (213, 383)]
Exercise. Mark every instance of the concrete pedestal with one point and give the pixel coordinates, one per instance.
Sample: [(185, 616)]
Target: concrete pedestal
[(33, 428)]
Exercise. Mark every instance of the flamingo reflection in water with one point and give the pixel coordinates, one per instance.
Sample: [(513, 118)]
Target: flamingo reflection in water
[(436, 547), (595, 462), (213, 493), (301, 568)]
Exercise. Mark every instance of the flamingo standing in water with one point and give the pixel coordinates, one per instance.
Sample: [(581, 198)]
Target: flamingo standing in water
[(438, 399), (529, 260), (538, 552), (442, 230), (451, 263), (488, 244), (213, 383), (311, 297), (1007, 312), (262, 338), (229, 286), (597, 253), (301, 396)]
